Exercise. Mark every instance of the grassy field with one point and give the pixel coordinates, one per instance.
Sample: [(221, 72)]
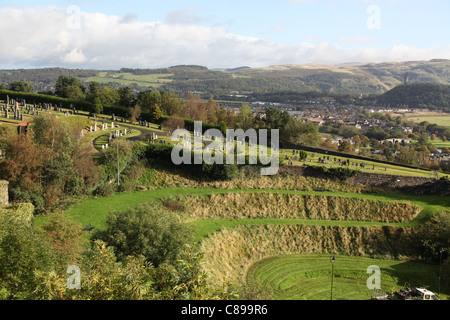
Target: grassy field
[(438, 143), (308, 277), (124, 78), (441, 119)]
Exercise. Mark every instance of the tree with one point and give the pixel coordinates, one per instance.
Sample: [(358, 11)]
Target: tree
[(148, 230), (434, 235), (109, 96), (66, 237), (21, 86), (171, 104), (134, 112), (127, 97), (195, 108), (23, 252), (223, 127), (70, 88), (97, 106), (245, 116), (173, 123), (298, 132), (275, 118), (424, 140), (103, 96), (94, 91), (155, 113), (357, 141), (345, 146), (408, 156), (23, 163), (148, 99), (211, 111)]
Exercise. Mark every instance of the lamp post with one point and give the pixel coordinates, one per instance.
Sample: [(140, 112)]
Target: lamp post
[(118, 171), (441, 251), (332, 274)]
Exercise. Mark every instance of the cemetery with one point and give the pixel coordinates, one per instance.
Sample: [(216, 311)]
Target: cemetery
[(242, 223)]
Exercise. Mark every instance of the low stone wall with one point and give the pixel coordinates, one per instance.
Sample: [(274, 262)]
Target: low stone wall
[(367, 178), (4, 198), (386, 180)]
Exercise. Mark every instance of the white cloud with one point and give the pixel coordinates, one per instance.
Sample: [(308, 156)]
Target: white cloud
[(357, 39), (51, 36)]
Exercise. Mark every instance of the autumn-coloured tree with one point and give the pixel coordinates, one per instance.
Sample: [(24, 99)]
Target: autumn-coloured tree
[(196, 108), (134, 113), (212, 111), (66, 237), (23, 163), (173, 123)]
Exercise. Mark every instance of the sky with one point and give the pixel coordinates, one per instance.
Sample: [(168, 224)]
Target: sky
[(112, 34)]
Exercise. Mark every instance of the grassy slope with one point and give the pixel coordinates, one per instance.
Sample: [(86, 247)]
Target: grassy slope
[(95, 210), (309, 276)]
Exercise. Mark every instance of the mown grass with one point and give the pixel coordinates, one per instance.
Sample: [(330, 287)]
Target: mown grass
[(370, 166), (308, 276)]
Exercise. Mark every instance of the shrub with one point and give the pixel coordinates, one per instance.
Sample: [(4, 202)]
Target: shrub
[(339, 173), (157, 234)]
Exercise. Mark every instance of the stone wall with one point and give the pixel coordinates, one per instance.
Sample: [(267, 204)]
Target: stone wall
[(4, 197), (367, 178), (390, 181)]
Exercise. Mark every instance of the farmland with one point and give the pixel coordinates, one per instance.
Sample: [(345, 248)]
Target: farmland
[(128, 79)]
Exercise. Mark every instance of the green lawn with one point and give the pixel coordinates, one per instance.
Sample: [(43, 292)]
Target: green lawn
[(308, 277), (95, 210)]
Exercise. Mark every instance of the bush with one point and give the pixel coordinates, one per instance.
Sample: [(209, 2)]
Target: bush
[(339, 173), (19, 195), (105, 190), (151, 231)]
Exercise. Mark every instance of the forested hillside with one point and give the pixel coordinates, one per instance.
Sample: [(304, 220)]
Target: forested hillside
[(418, 96), (226, 84)]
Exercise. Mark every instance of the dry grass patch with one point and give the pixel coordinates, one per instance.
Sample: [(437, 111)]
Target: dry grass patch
[(292, 206)]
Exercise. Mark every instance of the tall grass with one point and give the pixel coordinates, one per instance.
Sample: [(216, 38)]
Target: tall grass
[(294, 206)]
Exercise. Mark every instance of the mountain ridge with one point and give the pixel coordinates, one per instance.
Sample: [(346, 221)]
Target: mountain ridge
[(345, 78)]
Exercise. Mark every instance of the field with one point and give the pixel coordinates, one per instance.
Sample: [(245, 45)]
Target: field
[(308, 277), (438, 143), (441, 119), (148, 80)]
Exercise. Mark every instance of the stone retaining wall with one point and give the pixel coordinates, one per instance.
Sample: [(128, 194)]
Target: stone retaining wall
[(368, 178)]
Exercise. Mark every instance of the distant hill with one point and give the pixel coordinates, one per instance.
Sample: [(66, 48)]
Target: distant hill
[(418, 96), (226, 84)]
